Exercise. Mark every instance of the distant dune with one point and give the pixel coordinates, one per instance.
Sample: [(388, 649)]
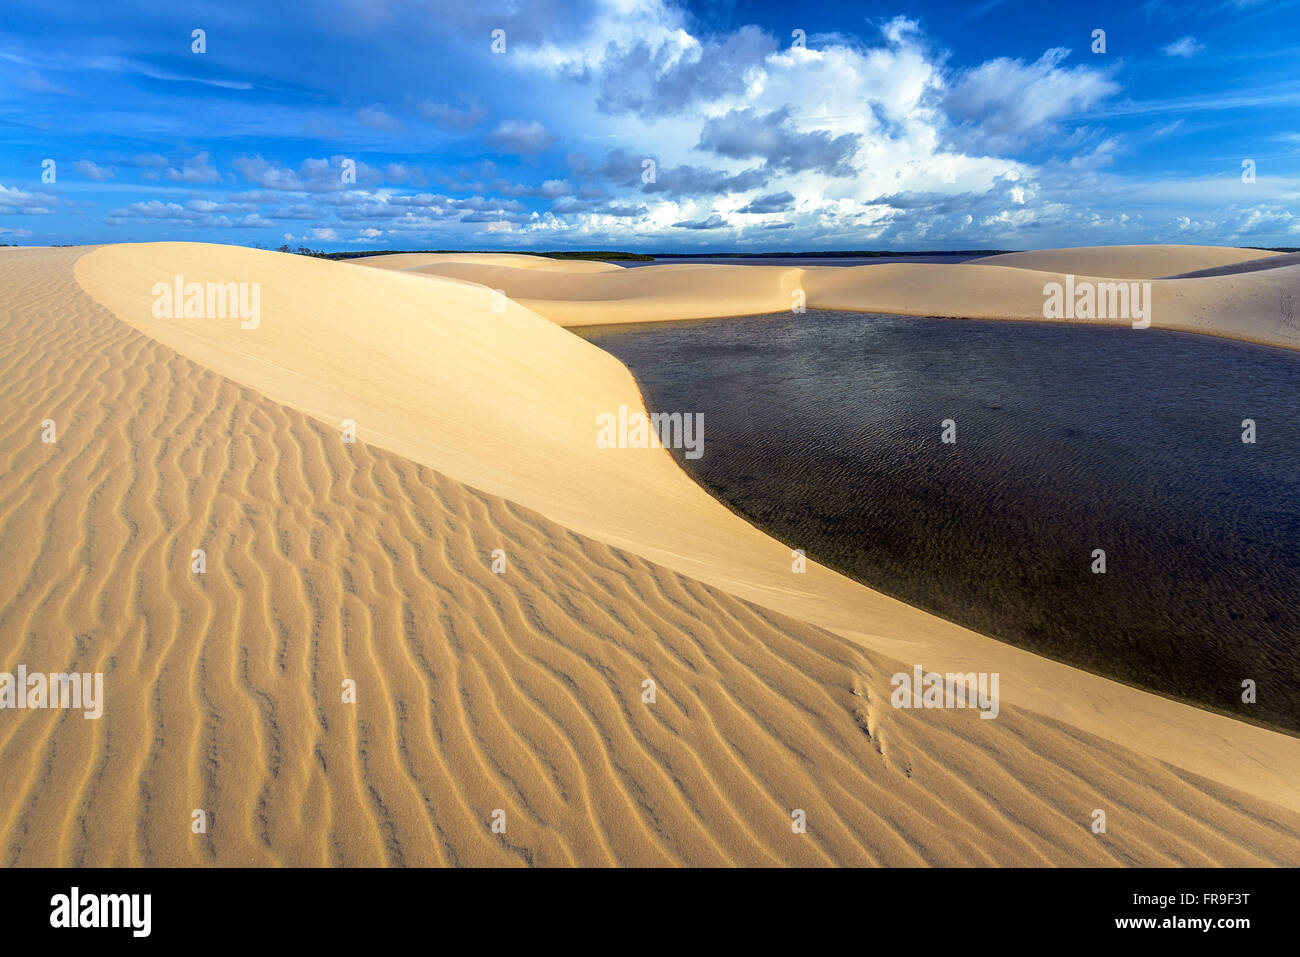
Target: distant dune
[(541, 264), (1270, 261), (1256, 306), (477, 692), (1126, 262)]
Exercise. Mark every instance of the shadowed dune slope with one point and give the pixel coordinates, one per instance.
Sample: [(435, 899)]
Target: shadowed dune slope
[(476, 692), (1270, 261)]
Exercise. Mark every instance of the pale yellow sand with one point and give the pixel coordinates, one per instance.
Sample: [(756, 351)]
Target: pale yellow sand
[(479, 691), (1257, 307), (1126, 262), (507, 403), (541, 264)]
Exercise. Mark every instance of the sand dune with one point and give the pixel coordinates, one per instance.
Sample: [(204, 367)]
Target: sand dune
[(1270, 261), (506, 403), (540, 264), (479, 691), (1256, 306), (668, 291), (1125, 262)]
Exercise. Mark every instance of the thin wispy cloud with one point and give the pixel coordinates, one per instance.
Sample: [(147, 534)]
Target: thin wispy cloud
[(1185, 47)]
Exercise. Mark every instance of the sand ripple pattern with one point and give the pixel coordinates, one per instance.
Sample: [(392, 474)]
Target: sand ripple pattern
[(476, 691)]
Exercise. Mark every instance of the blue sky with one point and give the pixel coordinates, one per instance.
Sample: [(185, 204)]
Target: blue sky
[(652, 125)]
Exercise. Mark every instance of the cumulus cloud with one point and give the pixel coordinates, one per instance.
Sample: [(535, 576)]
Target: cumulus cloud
[(571, 206), (403, 173), (377, 119), (196, 170), (311, 176), (196, 212), (553, 189), (15, 201), (520, 137), (773, 203), (665, 75), (745, 134), (93, 171), (626, 169), (1004, 103), (861, 139), (469, 115), (713, 222)]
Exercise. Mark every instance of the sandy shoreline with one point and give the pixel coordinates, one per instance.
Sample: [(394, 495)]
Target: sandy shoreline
[(372, 560)]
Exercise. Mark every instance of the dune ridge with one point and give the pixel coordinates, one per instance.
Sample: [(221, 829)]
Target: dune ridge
[(408, 262), (1156, 261), (1231, 302), (476, 691)]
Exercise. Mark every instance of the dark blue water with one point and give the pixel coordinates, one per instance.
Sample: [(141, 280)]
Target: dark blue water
[(825, 429)]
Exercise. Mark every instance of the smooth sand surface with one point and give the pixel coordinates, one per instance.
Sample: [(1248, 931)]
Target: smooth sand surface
[(1271, 261), (1256, 306), (1126, 262), (478, 691), (542, 264)]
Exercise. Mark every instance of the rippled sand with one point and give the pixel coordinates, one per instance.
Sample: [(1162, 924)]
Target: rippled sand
[(478, 692)]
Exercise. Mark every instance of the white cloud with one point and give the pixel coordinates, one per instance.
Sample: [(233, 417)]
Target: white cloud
[(1004, 103), (468, 116), (375, 118), (14, 201), (197, 170), (1185, 47), (520, 137), (93, 171)]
